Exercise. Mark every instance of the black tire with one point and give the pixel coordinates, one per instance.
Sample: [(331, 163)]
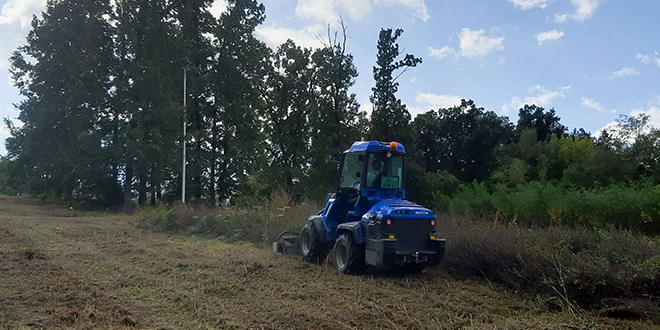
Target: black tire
[(348, 255), (311, 247)]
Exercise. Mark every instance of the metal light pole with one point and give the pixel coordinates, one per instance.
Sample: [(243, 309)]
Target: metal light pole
[(183, 175)]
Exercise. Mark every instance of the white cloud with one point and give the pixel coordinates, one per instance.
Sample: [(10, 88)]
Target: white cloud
[(218, 7), (654, 120), (366, 107), (417, 6), (539, 95), (625, 72), (442, 52), (591, 103), (15, 20), (425, 102), (330, 10), (549, 36), (529, 4), (20, 11), (644, 58), (584, 9), (318, 10), (647, 59), (436, 101), (475, 44), (274, 36)]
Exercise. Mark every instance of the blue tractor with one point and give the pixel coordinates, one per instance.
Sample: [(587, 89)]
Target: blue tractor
[(367, 221)]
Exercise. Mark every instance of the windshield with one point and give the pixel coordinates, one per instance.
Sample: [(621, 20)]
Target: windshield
[(351, 171), (384, 172)]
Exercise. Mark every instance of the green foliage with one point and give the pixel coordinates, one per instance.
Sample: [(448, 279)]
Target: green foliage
[(390, 120), (158, 218), (546, 124), (472, 199), (102, 124), (542, 204), (461, 140)]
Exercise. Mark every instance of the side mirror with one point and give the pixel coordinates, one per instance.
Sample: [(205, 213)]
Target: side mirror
[(331, 159)]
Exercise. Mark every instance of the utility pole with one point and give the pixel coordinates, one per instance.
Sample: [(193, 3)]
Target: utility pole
[(183, 175)]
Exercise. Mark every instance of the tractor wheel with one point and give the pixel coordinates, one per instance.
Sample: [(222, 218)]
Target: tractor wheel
[(348, 255), (311, 247)]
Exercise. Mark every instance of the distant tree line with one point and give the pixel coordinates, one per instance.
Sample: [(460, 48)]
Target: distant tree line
[(102, 115)]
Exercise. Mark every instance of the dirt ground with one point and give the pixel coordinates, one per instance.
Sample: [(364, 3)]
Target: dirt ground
[(61, 269)]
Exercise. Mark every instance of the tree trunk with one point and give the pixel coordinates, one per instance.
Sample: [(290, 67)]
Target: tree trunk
[(128, 189), (154, 186), (142, 190), (214, 157)]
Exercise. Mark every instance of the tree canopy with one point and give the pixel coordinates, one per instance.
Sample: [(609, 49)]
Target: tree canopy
[(102, 116)]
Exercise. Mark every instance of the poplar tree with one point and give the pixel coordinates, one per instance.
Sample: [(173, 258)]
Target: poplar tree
[(390, 120)]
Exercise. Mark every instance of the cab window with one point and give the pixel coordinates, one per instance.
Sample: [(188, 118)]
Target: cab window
[(385, 172), (351, 171)]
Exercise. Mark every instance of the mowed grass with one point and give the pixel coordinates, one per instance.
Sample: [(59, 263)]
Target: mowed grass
[(63, 270)]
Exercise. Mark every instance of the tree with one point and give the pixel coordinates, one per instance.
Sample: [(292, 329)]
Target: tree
[(335, 114), (547, 124), (61, 145), (237, 92), (146, 109), (195, 51), (462, 140), (390, 120), (290, 104)]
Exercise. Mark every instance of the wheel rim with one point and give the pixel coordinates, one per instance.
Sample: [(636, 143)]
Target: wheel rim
[(341, 256), (304, 244)]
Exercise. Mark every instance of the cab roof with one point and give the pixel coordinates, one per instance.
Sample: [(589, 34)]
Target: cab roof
[(362, 146)]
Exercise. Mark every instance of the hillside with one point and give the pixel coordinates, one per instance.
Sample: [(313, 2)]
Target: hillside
[(63, 269)]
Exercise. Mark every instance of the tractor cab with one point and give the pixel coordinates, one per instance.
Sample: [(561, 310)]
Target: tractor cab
[(367, 221), (369, 172)]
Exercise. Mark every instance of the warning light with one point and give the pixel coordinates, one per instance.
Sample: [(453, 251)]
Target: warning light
[(393, 145)]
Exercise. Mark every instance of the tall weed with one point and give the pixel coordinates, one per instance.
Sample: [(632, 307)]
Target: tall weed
[(256, 224), (598, 269)]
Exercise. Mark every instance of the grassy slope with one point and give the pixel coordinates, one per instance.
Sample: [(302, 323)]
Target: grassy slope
[(59, 269)]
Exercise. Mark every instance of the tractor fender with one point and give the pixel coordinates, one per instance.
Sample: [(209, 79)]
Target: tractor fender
[(353, 228), (317, 220)]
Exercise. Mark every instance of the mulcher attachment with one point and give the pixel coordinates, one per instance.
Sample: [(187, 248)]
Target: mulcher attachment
[(287, 243)]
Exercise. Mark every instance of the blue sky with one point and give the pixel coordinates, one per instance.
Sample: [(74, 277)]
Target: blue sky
[(591, 60)]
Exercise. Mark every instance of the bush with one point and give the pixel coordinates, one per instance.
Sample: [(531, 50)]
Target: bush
[(541, 204), (599, 269), (256, 224)]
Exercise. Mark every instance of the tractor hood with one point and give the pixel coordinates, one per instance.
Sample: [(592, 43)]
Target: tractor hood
[(401, 209)]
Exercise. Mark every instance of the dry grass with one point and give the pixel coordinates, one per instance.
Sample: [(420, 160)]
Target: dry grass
[(256, 224), (612, 271), (164, 281)]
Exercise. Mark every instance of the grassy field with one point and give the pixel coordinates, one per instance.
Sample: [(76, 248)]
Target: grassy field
[(63, 269)]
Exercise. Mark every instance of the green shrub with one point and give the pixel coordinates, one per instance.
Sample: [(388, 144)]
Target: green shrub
[(157, 218), (541, 204), (472, 199)]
